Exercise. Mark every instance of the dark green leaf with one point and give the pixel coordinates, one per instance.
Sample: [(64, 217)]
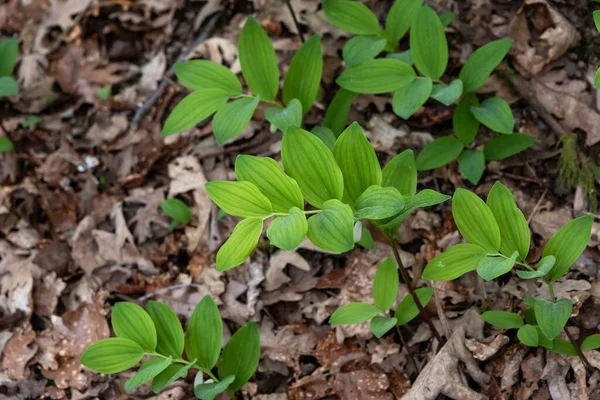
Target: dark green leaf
[(543, 267), (495, 113), (447, 94), (203, 337), (591, 342), (410, 98), (241, 356), (9, 50), (131, 321), (503, 319), (552, 316), (283, 118), (240, 244), (475, 220), (446, 18), (353, 313), (378, 203), (401, 172), (112, 355), (233, 117), (407, 309), (351, 16), (169, 332), (464, 122), (454, 262), (337, 112), (6, 145), (425, 198), (362, 48), (170, 375), (381, 325), (504, 146), (561, 346), (149, 370), (596, 15), (597, 79), (326, 135), (472, 163), (304, 76), (8, 86), (528, 335), (482, 62), (209, 390), (490, 268), (177, 210), (366, 239), (567, 244), (428, 44), (382, 75), (204, 74), (288, 231), (193, 109), (104, 94), (400, 17), (240, 199), (404, 56), (333, 228), (438, 153), (385, 285)]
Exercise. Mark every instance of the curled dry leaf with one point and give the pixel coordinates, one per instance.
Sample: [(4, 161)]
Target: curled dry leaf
[(17, 352), (287, 344), (362, 385), (482, 350)]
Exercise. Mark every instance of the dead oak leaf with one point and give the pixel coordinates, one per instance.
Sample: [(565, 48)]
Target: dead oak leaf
[(362, 385), (17, 353), (286, 345)]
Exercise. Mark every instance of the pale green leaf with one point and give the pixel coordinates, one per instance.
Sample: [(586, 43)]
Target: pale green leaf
[(543, 267), (241, 356), (505, 146), (233, 117), (204, 74), (177, 210), (482, 62), (333, 228), (149, 370), (169, 333), (552, 316), (9, 50), (353, 313), (407, 309), (401, 172), (378, 203), (283, 118), (495, 113), (288, 231), (382, 75), (362, 48), (338, 110), (410, 98), (381, 325), (385, 285), (203, 337), (472, 163), (8, 86), (447, 94), (240, 244), (464, 122), (591, 342), (303, 79), (112, 355), (351, 16), (209, 390), (131, 321), (503, 319), (454, 262), (567, 244), (428, 44), (439, 152), (400, 17), (475, 220), (239, 199), (193, 109), (491, 268)]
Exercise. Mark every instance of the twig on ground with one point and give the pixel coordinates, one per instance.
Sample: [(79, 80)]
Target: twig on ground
[(168, 289), (580, 354), (289, 6), (410, 355), (537, 206)]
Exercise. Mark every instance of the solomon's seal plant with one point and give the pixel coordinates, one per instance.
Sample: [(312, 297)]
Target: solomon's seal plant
[(9, 50), (155, 336), (498, 241)]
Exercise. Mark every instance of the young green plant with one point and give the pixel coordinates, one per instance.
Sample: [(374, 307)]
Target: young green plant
[(9, 50)]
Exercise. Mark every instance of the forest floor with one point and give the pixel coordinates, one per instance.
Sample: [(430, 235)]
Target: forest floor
[(81, 227)]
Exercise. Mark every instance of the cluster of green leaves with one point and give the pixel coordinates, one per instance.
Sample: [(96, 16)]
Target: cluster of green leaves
[(214, 85), (428, 54), (385, 291), (9, 50), (344, 185), (498, 239), (156, 333)]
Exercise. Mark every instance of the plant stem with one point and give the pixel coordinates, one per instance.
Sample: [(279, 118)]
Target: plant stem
[(551, 291), (580, 354), (289, 6), (408, 283)]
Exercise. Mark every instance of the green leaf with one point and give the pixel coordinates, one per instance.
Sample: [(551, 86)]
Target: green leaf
[(385, 285), (233, 117), (258, 60), (438, 153), (239, 199), (528, 335), (170, 375), (407, 309), (353, 313), (283, 118), (410, 98), (31, 121), (303, 79), (288, 231), (267, 175), (591, 342), (378, 203), (504, 146), (203, 337), (454, 262), (567, 244), (514, 230), (447, 94), (326, 135), (209, 390), (351, 16), (337, 113), (362, 48), (404, 56), (241, 356), (482, 62), (464, 122), (401, 172), (495, 113), (9, 50), (366, 239), (204, 74), (149, 370), (428, 44), (112, 355), (104, 93), (597, 79), (596, 15), (561, 346), (131, 321), (193, 109), (475, 220), (503, 319), (446, 18), (490, 268), (472, 163), (357, 161), (381, 325), (177, 210), (240, 244), (333, 228), (400, 17), (169, 332), (382, 75), (308, 160), (543, 340), (552, 316), (6, 145), (8, 86), (425, 198), (543, 267)]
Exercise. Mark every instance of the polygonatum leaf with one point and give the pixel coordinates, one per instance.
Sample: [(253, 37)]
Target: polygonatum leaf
[(401, 172), (385, 285), (209, 390), (177, 210), (378, 203), (381, 325), (503, 319), (303, 79), (447, 94), (204, 334), (505, 146), (351, 16), (482, 62), (283, 118), (543, 267), (233, 117), (288, 231), (240, 244), (561, 346), (353, 313), (404, 56), (8, 86), (407, 309), (170, 375), (240, 356), (193, 109), (333, 228), (204, 74), (491, 268), (425, 198), (112, 355), (438, 153), (410, 98), (472, 163), (9, 50), (338, 110), (528, 335), (400, 17), (382, 75), (567, 244), (149, 370), (362, 48), (240, 199), (475, 220), (591, 342), (454, 262), (428, 44), (6, 145), (326, 135), (495, 113), (552, 316), (131, 321), (464, 122), (169, 333)]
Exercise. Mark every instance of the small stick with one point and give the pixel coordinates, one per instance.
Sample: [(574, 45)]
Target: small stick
[(580, 354), (289, 6), (537, 205)]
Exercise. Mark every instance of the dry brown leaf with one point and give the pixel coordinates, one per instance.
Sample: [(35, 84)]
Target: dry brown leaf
[(17, 353), (362, 385), (484, 350), (286, 345)]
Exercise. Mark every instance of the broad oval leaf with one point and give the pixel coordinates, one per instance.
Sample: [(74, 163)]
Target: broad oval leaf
[(362, 48), (203, 337), (338, 110), (9, 50), (407, 309), (400, 17), (381, 325), (283, 118), (233, 117), (438, 153), (240, 356), (464, 122), (472, 163), (401, 172), (505, 146), (170, 375), (552, 316), (428, 45), (149, 370), (385, 285), (353, 313), (288, 231), (490, 268), (357, 161), (351, 16), (447, 94), (482, 62), (326, 135), (567, 244), (177, 210), (503, 319), (258, 60), (425, 198), (454, 262), (543, 267), (528, 335), (378, 203), (112, 355), (239, 199), (514, 230), (204, 74), (495, 113), (410, 98), (282, 191), (304, 76), (209, 390), (240, 244), (475, 220), (131, 321), (308, 160), (8, 86), (591, 342), (193, 109), (382, 75), (169, 333), (564, 347), (333, 228)]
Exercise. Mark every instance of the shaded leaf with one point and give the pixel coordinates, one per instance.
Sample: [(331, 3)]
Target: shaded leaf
[(552, 316), (472, 163), (170, 375), (149, 370), (495, 113), (491, 268), (464, 122), (131, 321), (381, 325), (482, 62), (203, 337), (378, 203), (351, 16), (503, 319), (169, 333), (177, 210), (333, 228), (283, 118), (505, 146), (338, 110), (567, 244), (362, 48), (528, 335), (209, 390), (438, 153), (401, 172), (400, 17), (241, 356), (410, 98), (447, 94)]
